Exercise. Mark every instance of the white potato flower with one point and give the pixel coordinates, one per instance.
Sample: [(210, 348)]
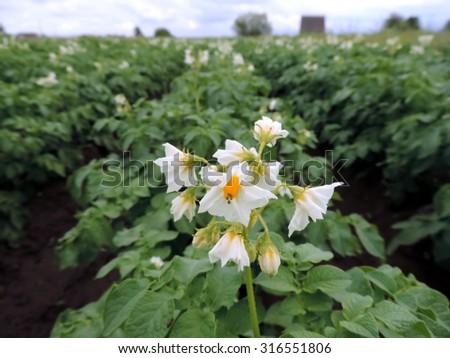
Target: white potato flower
[(230, 247), (183, 204), (123, 65), (50, 80), (272, 104), (425, 39), (310, 203), (177, 169), (120, 99), (416, 50), (238, 60), (268, 131), (234, 152), (232, 197), (188, 58), (267, 176), (203, 57), (156, 261)]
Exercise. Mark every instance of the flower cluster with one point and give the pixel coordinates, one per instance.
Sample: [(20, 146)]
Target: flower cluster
[(235, 192)]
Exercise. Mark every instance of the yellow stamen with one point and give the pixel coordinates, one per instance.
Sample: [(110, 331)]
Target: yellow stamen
[(231, 190)]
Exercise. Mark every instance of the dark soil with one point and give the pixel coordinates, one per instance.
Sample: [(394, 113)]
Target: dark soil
[(33, 290), (366, 196)]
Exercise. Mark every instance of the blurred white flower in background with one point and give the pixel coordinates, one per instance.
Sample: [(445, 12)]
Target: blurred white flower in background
[(123, 65), (425, 39), (310, 67), (50, 80), (416, 50), (238, 60), (120, 99), (203, 57), (188, 58), (157, 262)]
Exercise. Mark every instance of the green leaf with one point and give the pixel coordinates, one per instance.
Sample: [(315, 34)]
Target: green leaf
[(282, 282), (354, 304), (185, 269), (396, 317), (441, 201), (363, 325), (282, 313), (222, 285), (150, 316), (316, 302), (360, 283), (298, 331), (236, 320), (340, 236), (308, 253), (383, 281), (368, 236), (194, 324), (326, 278), (413, 230), (120, 302), (125, 262)]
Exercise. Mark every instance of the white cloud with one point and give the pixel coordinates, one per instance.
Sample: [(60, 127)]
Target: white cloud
[(205, 18)]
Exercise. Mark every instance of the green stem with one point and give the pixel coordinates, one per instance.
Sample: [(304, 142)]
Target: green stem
[(261, 148), (263, 223), (251, 301), (196, 92)]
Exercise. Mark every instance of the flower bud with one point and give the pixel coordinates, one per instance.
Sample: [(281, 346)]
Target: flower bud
[(269, 261)]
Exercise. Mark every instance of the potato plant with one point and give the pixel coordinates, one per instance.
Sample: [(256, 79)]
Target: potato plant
[(149, 105)]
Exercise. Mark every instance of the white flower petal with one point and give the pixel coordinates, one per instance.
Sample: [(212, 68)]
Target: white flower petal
[(230, 247)]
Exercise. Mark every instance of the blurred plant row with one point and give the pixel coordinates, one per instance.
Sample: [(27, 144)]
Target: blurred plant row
[(383, 106)]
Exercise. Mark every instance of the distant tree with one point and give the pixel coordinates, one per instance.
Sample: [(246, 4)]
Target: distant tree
[(394, 22), (397, 22), (447, 26), (138, 32), (252, 24), (412, 23), (2, 30), (162, 32)]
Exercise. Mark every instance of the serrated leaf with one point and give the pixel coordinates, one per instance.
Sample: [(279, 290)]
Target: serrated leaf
[(120, 302), (354, 304), (150, 316), (396, 317), (194, 323), (282, 282), (297, 331), (222, 285), (185, 269), (363, 325), (326, 278), (368, 236), (383, 281), (306, 254)]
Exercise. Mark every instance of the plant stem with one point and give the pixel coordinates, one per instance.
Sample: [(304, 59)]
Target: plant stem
[(251, 301), (263, 223), (261, 148)]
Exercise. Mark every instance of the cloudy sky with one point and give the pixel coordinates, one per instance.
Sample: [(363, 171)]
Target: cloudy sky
[(199, 18)]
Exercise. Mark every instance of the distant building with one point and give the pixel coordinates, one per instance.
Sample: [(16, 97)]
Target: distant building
[(312, 24)]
